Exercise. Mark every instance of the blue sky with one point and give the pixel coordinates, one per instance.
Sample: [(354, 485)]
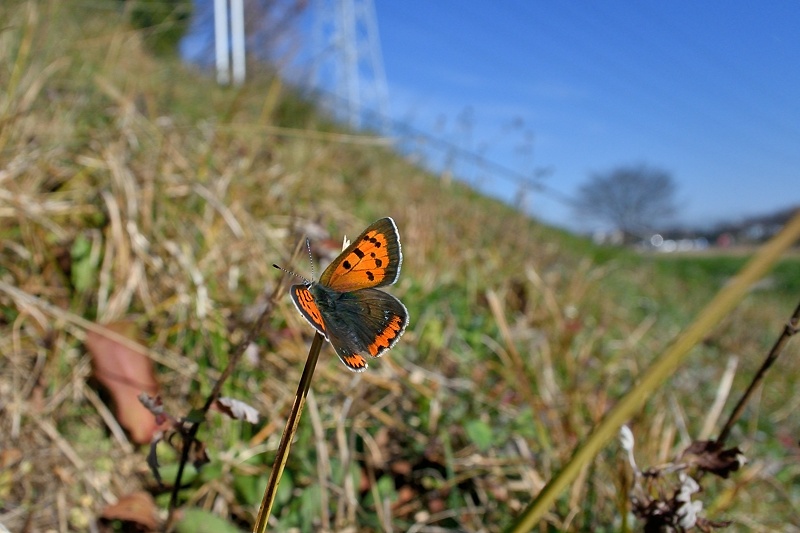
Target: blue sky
[(709, 91)]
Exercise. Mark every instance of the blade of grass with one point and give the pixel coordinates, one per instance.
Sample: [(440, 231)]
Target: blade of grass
[(190, 433), (323, 461), (660, 370), (788, 330), (288, 434)]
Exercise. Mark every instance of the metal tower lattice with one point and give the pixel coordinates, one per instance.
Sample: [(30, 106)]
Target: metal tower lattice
[(350, 63)]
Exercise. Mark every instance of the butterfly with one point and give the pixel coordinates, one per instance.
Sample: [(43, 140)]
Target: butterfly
[(345, 306)]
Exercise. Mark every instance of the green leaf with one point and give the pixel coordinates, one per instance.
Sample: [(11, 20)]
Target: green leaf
[(200, 521), (309, 506), (386, 487), (480, 434), (84, 264), (285, 488), (196, 416), (169, 471), (249, 488), (211, 471)]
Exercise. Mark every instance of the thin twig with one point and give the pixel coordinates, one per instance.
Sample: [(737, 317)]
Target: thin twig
[(288, 434), (789, 329), (190, 434), (660, 369)]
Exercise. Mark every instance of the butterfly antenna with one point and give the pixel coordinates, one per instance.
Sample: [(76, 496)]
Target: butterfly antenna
[(290, 273), (310, 257), (310, 260)]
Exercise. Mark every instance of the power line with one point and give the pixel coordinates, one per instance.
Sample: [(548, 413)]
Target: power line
[(406, 132)]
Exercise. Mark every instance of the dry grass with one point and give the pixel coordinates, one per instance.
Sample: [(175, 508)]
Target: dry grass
[(135, 189)]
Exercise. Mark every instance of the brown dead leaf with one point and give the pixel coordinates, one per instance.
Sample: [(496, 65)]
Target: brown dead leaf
[(405, 495), (138, 508), (711, 457), (199, 454), (125, 372), (402, 467), (10, 456)]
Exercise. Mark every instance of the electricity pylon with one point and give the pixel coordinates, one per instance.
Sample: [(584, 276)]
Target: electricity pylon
[(350, 63)]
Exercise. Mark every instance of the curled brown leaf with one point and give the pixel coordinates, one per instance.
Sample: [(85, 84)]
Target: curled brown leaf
[(125, 372), (710, 456)]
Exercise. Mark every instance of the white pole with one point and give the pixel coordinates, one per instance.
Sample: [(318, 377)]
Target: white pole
[(221, 41), (237, 33)]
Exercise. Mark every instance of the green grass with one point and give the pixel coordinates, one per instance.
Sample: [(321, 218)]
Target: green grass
[(716, 269), (135, 188)]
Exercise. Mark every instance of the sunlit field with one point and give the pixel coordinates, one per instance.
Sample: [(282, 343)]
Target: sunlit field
[(137, 194)]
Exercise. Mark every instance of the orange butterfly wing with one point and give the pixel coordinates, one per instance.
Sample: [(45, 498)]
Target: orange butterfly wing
[(355, 362), (344, 307), (305, 303), (368, 321), (373, 259)]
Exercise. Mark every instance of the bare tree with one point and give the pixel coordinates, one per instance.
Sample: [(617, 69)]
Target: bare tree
[(634, 199)]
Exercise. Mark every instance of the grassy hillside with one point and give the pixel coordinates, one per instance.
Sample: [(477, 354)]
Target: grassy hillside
[(135, 191)]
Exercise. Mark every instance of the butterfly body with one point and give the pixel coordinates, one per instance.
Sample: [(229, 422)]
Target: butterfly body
[(345, 305)]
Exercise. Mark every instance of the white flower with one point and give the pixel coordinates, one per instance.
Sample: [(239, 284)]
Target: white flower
[(688, 510), (627, 442)]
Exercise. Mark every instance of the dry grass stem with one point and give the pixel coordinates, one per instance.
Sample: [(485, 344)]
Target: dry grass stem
[(135, 188)]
